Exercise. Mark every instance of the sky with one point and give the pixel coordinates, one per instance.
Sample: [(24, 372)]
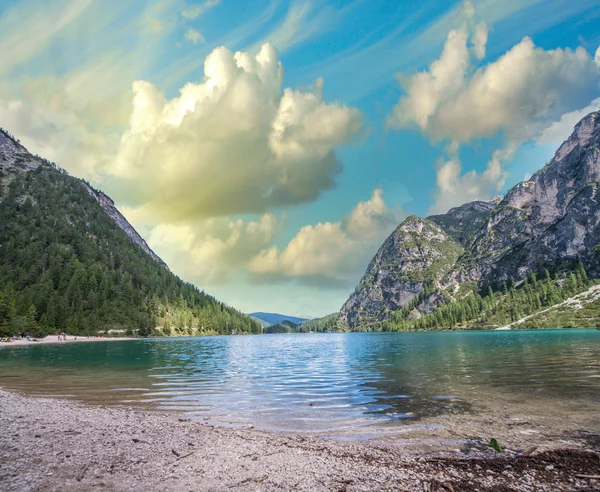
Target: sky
[(266, 149)]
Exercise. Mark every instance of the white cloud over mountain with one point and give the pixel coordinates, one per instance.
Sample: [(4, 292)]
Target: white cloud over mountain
[(330, 254)]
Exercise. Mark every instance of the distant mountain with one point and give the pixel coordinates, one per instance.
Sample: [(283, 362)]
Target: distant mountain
[(274, 318), (319, 325), (476, 264), (69, 261), (285, 326)]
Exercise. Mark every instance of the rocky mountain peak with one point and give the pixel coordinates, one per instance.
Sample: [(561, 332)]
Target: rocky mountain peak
[(550, 221), (9, 145), (14, 155), (461, 223)]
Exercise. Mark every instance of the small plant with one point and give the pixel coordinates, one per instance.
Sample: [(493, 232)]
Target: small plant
[(495, 445)]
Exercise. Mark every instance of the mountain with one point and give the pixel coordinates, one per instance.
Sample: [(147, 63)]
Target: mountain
[(284, 326), (326, 324), (548, 223), (274, 318), (69, 261)]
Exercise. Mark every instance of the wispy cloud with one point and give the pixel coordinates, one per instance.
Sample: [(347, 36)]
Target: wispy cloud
[(196, 10), (303, 21), (26, 31), (194, 36)]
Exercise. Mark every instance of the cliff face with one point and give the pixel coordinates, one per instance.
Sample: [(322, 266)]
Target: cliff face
[(109, 207), (551, 218), (462, 223), (16, 158), (418, 253), (550, 221)]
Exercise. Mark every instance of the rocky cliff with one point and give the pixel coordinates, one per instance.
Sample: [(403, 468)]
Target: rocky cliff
[(16, 158), (550, 221), (416, 255)]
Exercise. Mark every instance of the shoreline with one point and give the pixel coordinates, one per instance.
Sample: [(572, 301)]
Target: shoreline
[(50, 443), (53, 339)]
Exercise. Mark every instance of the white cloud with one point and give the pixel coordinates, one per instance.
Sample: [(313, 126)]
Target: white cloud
[(194, 11), (518, 94), (213, 250), (233, 143), (597, 57), (560, 130), (194, 36), (455, 188), (330, 254)]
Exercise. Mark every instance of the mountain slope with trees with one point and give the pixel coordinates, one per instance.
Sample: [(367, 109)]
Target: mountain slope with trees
[(473, 266), (69, 264)]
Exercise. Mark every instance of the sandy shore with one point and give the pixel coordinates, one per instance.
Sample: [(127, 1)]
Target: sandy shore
[(52, 444), (54, 339)]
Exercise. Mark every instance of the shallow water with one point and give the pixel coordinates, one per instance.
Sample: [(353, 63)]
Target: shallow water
[(316, 382)]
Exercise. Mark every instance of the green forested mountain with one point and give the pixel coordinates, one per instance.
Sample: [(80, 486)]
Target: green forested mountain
[(66, 265)]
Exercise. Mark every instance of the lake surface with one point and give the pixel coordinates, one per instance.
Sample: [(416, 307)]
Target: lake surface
[(320, 382)]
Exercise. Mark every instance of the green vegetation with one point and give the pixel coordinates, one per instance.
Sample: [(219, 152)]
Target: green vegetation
[(285, 326), (65, 265), (583, 313), (325, 324), (496, 308), (495, 445)]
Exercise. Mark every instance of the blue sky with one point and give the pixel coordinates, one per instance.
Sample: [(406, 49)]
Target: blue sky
[(269, 179)]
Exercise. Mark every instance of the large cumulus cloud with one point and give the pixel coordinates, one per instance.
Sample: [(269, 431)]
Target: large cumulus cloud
[(213, 251), (232, 143)]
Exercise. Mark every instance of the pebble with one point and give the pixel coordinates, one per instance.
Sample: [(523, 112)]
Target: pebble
[(549, 467)]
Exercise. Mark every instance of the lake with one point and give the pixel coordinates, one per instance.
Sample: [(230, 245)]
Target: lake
[(350, 382)]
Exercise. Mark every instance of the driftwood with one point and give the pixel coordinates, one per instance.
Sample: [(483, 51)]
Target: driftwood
[(185, 456)]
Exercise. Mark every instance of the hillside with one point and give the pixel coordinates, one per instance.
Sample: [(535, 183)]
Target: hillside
[(465, 257), (282, 327), (274, 318), (70, 261)]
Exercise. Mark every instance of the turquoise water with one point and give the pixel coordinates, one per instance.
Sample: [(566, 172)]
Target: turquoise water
[(320, 382)]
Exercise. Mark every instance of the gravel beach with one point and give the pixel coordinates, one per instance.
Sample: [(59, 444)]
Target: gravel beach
[(54, 340), (53, 444)]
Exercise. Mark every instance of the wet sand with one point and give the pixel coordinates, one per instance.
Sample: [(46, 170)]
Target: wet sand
[(53, 444), (54, 339)]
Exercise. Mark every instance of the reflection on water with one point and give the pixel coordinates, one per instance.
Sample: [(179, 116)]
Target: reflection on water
[(318, 382)]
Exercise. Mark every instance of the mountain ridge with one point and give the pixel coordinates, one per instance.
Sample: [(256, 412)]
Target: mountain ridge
[(13, 151), (551, 221)]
